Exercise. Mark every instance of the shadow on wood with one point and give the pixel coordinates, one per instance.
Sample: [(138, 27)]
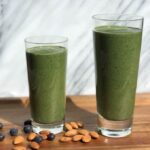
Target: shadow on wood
[(16, 110)]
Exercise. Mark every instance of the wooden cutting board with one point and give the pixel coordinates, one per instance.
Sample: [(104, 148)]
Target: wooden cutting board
[(13, 112)]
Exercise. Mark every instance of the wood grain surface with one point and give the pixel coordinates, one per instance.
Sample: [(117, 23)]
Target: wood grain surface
[(13, 112)]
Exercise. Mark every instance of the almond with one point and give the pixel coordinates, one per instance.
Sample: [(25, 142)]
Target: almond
[(94, 135), (44, 136), (86, 139), (67, 127), (77, 138), (34, 145), (65, 139), (83, 132), (71, 133), (19, 148), (45, 132), (74, 125), (31, 136), (80, 124), (18, 140)]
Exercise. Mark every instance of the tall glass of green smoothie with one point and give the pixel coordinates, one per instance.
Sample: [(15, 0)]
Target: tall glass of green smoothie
[(46, 65), (117, 44)]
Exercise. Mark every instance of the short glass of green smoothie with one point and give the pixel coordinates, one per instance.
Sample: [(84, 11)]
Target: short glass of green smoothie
[(117, 44), (46, 65)]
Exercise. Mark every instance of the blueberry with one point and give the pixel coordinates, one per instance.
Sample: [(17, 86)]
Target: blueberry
[(27, 129), (51, 137), (1, 126), (27, 122), (13, 132), (38, 139), (2, 137)]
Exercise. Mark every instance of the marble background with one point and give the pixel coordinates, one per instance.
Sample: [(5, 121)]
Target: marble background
[(71, 18)]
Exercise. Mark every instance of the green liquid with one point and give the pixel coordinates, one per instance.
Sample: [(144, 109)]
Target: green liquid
[(117, 52), (47, 73)]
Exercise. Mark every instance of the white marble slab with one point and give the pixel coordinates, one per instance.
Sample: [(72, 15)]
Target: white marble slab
[(71, 18)]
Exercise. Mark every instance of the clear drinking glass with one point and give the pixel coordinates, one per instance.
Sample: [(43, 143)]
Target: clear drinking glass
[(46, 65), (117, 43)]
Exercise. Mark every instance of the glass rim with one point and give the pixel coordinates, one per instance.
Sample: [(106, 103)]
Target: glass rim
[(38, 39), (104, 17)]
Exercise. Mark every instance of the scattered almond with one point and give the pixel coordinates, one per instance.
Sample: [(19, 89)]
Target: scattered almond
[(31, 136), (83, 132), (19, 148), (94, 135), (86, 139), (77, 138), (34, 145), (70, 133), (74, 125), (67, 126), (65, 139), (44, 136), (45, 132), (18, 139), (80, 124)]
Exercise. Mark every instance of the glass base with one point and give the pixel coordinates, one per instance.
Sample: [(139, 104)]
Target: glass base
[(115, 133), (112, 128), (53, 128)]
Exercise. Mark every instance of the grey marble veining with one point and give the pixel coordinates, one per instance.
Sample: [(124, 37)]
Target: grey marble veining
[(70, 18)]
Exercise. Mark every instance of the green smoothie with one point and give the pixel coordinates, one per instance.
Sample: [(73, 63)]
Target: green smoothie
[(117, 52), (46, 71)]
